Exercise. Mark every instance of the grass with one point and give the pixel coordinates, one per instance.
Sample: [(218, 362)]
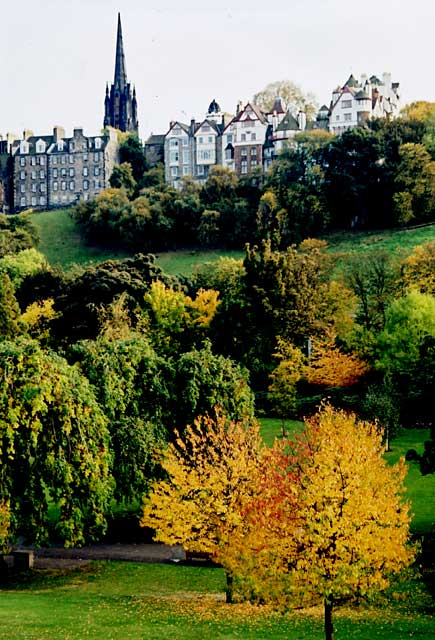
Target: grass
[(111, 601), (63, 245), (400, 242)]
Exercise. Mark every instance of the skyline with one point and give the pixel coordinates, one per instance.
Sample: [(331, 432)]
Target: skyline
[(55, 58)]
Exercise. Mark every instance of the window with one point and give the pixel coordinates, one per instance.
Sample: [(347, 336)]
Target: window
[(71, 159), (55, 186), (253, 162), (63, 185), (42, 201), (200, 140), (173, 142), (200, 170), (204, 154), (42, 174), (40, 160), (186, 156), (174, 171), (34, 187), (253, 136), (63, 172), (42, 187), (243, 151), (185, 170), (96, 157), (85, 171), (210, 139), (244, 167), (243, 137), (40, 146), (63, 159), (33, 161), (347, 117), (206, 127), (96, 184), (23, 188), (85, 185), (246, 123), (346, 104), (33, 201), (173, 157), (71, 172), (72, 185), (23, 201), (98, 143), (22, 162), (85, 157), (337, 117), (96, 171), (229, 138), (54, 160), (228, 154), (185, 142), (254, 151), (54, 173), (23, 175)]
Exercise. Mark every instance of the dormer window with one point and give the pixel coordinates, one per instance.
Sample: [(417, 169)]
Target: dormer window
[(98, 143), (24, 147), (40, 146), (60, 145)]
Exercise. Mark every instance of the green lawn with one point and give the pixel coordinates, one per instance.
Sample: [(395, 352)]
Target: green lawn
[(129, 601)]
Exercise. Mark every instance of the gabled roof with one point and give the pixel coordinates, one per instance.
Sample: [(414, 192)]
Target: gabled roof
[(184, 127), (351, 82), (362, 95), (259, 115), (217, 128), (288, 123)]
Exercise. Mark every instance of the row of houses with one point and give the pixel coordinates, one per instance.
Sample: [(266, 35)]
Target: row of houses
[(251, 139)]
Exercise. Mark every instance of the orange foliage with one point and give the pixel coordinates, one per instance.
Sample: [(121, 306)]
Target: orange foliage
[(330, 367)]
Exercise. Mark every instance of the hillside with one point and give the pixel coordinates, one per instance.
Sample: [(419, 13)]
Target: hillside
[(63, 245)]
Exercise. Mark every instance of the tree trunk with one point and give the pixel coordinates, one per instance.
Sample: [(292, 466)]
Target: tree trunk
[(229, 589), (329, 627)]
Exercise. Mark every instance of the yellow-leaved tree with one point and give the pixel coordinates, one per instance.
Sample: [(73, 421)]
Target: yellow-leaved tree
[(331, 367), (354, 523), (211, 474)]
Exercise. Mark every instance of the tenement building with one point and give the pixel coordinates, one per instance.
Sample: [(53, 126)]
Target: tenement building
[(56, 171), (120, 105)]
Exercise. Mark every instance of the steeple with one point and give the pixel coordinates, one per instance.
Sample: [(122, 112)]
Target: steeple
[(120, 106), (120, 71)]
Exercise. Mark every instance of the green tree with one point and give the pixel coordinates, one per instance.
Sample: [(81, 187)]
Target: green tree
[(9, 309), (22, 264), (122, 178), (415, 181), (131, 151), (53, 447)]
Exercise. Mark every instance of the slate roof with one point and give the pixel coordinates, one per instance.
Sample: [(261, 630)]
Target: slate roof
[(158, 138), (288, 123)]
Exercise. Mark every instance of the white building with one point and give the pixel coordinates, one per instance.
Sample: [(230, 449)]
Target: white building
[(358, 101)]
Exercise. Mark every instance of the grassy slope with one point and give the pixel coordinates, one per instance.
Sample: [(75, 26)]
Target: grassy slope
[(62, 244)]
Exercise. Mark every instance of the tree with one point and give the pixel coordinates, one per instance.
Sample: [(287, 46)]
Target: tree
[(131, 151), (329, 366), (415, 180), (17, 233), (22, 264), (122, 177), (418, 110), (353, 523), (418, 269), (211, 472), (295, 99), (9, 309), (284, 379), (53, 447)]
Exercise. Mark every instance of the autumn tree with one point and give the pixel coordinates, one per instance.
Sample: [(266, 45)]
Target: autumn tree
[(329, 366), (284, 379), (418, 269), (211, 472), (354, 524), (293, 96), (122, 177)]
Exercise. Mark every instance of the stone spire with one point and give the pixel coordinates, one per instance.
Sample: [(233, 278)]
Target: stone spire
[(120, 105), (120, 71)]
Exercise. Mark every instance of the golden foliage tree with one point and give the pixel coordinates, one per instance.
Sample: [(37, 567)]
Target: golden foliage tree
[(354, 524), (331, 367), (211, 473), (418, 269)]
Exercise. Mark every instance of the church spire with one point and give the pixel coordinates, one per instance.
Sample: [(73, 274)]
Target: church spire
[(120, 106), (120, 71)]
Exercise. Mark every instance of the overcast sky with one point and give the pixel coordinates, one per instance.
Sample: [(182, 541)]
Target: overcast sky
[(56, 55)]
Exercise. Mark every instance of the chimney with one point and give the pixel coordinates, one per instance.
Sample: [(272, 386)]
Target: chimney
[(302, 120), (192, 126), (27, 133), (58, 133), (239, 107), (386, 79), (77, 133)]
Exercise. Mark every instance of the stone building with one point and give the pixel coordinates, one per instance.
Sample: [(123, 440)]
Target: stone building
[(120, 105), (55, 171)]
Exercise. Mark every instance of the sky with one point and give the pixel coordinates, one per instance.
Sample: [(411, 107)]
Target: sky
[(57, 55)]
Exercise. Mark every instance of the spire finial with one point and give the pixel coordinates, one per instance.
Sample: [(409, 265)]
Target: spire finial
[(120, 70)]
